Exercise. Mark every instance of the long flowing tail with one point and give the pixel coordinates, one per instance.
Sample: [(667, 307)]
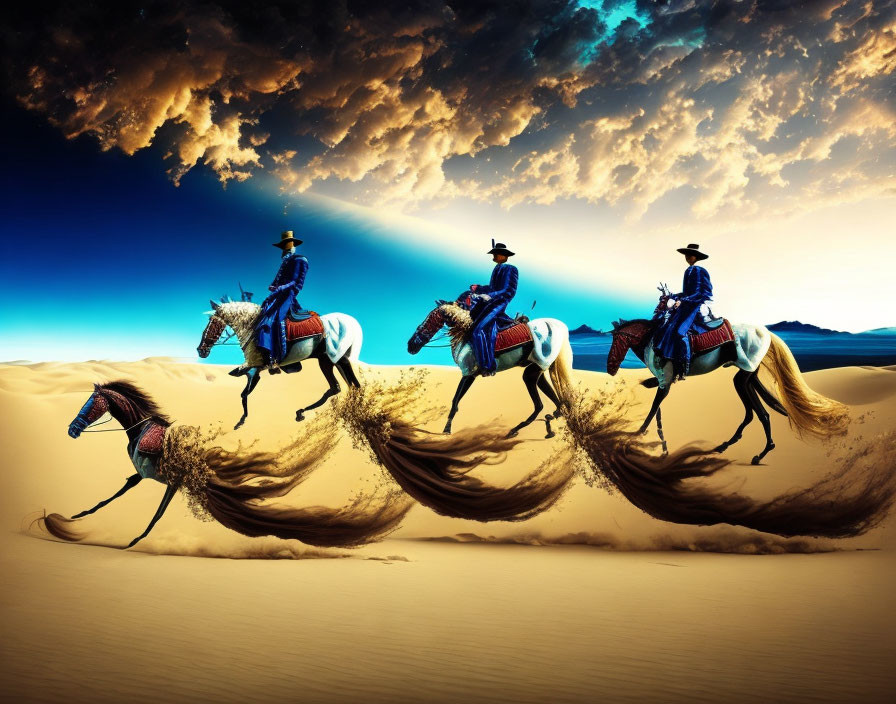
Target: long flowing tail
[(848, 502), (561, 374), (239, 489), (809, 412), (434, 468)]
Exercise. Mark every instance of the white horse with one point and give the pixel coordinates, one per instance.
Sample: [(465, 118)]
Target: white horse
[(547, 349), (752, 347), (337, 346)]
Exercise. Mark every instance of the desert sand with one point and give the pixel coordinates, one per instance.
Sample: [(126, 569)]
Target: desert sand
[(592, 600)]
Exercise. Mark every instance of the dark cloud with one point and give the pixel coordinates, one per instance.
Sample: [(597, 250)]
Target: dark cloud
[(546, 99)]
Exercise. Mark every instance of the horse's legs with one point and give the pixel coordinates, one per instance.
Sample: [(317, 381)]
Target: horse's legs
[(531, 375), (548, 390), (659, 430), (166, 499), (465, 383), (740, 385), (132, 481), (763, 418), (768, 396), (326, 367), (344, 365), (253, 376), (661, 393)]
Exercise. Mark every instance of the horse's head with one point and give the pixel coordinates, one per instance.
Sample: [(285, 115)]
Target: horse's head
[(126, 403), (212, 332), (626, 335), (427, 329), (90, 412), (240, 316)]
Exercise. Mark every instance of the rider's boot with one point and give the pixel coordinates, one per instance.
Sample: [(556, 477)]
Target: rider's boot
[(679, 370)]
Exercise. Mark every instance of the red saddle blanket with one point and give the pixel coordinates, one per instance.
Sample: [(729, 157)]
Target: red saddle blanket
[(151, 440), (711, 339), (514, 336), (304, 328)]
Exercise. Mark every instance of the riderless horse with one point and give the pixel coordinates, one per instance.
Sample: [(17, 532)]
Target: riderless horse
[(747, 347), (242, 490), (145, 425), (537, 346), (334, 340)]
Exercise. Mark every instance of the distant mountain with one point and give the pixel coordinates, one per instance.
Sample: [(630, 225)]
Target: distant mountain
[(797, 326), (880, 331), (586, 330)]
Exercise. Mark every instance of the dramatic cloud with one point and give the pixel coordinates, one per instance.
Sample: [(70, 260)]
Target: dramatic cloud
[(735, 108)]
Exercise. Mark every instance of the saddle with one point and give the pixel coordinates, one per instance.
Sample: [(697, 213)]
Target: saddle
[(152, 438), (309, 327), (513, 336), (718, 334)]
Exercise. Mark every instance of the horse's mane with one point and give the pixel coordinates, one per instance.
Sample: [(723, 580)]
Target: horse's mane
[(243, 313), (241, 317), (459, 321), (138, 398), (622, 323)]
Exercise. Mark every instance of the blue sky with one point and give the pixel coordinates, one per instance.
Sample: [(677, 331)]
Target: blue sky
[(103, 257), (594, 137)]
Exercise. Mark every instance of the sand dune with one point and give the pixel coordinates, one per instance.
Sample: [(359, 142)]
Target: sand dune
[(575, 604)]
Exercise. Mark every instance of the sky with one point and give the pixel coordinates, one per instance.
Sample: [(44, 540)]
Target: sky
[(154, 152)]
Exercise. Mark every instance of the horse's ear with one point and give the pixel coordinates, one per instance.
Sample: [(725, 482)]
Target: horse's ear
[(215, 304)]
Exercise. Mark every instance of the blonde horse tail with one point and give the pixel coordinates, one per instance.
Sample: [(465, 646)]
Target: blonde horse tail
[(809, 412), (561, 374)]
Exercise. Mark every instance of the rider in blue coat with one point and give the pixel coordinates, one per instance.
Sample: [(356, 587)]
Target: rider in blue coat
[(270, 330), (696, 290), (493, 300)]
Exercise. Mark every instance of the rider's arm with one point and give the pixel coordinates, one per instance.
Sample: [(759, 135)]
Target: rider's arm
[(296, 277), (699, 289), (507, 286)]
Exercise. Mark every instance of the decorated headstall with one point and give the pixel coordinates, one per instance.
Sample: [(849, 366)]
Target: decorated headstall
[(625, 336), (427, 329), (210, 335), (90, 412)]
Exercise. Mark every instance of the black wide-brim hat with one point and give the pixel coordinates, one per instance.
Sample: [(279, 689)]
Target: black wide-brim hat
[(695, 250), (287, 238), (499, 248)]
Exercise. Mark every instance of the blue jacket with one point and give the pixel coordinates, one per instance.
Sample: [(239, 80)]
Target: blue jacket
[(697, 287), (291, 274), (502, 286), (270, 330)]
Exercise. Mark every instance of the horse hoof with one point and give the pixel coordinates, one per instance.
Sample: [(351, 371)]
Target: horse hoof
[(512, 434), (720, 448), (446, 431), (300, 416), (238, 425), (550, 435), (755, 460)]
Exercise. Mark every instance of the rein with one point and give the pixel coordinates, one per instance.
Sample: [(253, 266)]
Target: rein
[(114, 430), (438, 338)]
